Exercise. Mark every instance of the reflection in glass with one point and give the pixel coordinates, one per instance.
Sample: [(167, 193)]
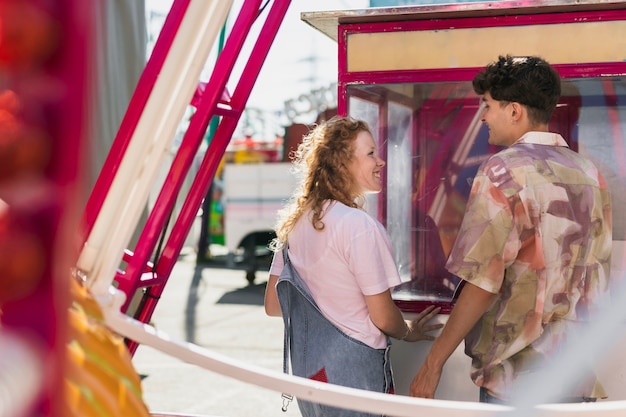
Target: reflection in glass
[(433, 140)]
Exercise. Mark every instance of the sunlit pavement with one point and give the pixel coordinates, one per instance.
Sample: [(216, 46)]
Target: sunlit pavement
[(216, 309)]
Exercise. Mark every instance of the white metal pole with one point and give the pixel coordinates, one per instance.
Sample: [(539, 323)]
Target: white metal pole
[(154, 134)]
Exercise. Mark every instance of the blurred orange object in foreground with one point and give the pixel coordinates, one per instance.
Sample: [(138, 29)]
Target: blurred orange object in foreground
[(100, 378)]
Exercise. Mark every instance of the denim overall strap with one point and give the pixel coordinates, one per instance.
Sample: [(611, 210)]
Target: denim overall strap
[(286, 319), (289, 274), (319, 350)]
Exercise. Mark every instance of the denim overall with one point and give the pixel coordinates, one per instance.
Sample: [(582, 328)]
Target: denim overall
[(319, 350)]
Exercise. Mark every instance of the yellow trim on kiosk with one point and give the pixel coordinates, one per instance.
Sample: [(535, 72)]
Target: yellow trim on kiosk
[(466, 48)]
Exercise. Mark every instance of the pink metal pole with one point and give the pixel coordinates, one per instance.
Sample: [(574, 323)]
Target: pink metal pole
[(215, 151), (224, 133), (129, 281)]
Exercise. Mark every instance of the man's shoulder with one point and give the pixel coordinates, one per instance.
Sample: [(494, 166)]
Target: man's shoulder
[(527, 154)]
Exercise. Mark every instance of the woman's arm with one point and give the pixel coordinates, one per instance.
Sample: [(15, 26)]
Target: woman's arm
[(388, 318), (272, 307)]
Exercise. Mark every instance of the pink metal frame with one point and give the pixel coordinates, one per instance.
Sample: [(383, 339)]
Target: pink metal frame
[(211, 99), (461, 74)]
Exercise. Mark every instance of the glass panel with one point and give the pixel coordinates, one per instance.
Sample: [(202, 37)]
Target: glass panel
[(399, 184), (599, 124), (436, 142)]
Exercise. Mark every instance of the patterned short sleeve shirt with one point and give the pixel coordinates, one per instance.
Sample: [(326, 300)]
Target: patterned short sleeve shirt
[(537, 231)]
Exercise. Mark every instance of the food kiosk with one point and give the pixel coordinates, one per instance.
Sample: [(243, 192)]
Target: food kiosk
[(407, 71)]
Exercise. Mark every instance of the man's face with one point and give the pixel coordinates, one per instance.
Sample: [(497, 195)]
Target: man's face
[(496, 115)]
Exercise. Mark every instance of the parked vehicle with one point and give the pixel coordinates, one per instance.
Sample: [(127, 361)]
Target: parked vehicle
[(253, 193)]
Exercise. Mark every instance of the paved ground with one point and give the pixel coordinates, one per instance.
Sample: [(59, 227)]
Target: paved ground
[(213, 307)]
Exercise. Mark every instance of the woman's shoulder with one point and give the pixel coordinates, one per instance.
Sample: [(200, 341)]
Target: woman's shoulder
[(346, 215), (337, 208)]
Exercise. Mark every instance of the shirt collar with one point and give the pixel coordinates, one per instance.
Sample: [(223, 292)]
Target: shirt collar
[(542, 138)]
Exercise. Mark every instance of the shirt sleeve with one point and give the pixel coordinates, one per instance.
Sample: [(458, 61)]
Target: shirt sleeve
[(487, 241), (278, 263), (371, 260)]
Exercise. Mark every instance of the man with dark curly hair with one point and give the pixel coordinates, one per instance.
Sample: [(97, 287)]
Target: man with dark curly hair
[(534, 247)]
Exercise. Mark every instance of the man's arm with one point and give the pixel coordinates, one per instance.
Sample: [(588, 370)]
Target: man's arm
[(469, 308)]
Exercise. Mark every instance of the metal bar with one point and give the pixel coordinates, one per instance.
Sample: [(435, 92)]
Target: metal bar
[(223, 134), (192, 139), (213, 156), (129, 192), (131, 118)]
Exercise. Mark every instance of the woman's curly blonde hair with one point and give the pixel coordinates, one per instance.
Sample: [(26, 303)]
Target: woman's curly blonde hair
[(321, 163)]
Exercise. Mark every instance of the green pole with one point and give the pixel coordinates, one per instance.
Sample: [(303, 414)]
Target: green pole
[(205, 235)]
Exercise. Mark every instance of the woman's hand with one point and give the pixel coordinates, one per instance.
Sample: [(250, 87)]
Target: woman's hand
[(388, 318), (419, 326)]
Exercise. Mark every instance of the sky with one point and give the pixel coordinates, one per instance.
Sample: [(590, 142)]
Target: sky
[(301, 58)]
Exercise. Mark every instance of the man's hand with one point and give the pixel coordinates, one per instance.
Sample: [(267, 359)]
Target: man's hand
[(425, 382), (469, 308)]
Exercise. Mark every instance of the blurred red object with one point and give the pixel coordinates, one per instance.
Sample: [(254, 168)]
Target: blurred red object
[(28, 34)]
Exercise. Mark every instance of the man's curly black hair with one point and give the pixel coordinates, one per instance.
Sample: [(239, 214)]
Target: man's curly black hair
[(527, 80)]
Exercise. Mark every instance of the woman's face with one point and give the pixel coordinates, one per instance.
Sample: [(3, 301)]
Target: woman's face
[(365, 165)]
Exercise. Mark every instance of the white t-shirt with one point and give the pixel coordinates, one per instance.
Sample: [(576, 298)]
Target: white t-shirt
[(351, 257)]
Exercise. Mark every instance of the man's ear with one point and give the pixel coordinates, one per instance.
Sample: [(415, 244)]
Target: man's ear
[(516, 111)]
